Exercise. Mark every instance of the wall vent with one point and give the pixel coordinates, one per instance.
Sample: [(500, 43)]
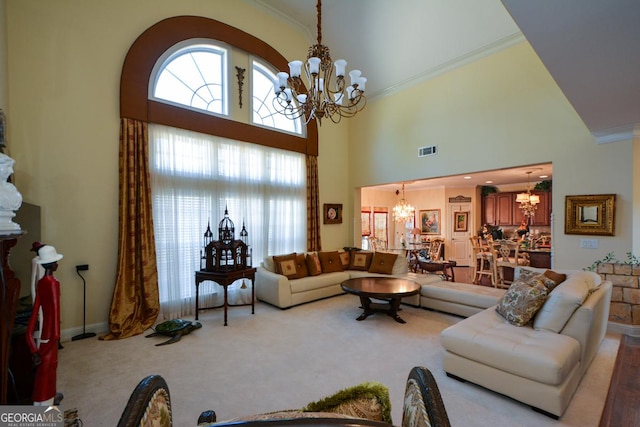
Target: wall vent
[(431, 150)]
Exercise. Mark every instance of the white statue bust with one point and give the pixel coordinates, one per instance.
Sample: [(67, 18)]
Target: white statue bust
[(10, 198)]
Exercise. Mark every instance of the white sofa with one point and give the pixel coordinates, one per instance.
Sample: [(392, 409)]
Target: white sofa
[(541, 363), (457, 298)]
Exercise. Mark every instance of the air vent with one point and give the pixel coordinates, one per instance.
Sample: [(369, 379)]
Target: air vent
[(431, 150)]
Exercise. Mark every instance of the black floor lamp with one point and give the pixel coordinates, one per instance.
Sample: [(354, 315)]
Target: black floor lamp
[(84, 334)]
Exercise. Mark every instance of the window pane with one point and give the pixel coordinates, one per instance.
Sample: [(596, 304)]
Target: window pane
[(194, 77), (262, 92)]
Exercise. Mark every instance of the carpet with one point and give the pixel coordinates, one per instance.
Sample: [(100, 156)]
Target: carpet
[(284, 359)]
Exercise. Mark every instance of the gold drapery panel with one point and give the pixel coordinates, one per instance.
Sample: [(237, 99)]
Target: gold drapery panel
[(313, 205), (135, 304)]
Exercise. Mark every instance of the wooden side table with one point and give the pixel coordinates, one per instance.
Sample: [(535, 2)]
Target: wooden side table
[(225, 279), (446, 267)]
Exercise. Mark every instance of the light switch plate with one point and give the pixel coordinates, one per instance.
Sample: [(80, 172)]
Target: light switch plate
[(589, 243)]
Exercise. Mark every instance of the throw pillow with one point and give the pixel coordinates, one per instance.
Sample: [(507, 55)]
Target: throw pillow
[(345, 257), (330, 262), (301, 266), (522, 301), (360, 261), (368, 400), (382, 262), (313, 264), (285, 265), (556, 277)]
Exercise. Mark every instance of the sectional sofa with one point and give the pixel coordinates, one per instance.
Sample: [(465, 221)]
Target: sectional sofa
[(292, 279), (532, 342), (535, 344)]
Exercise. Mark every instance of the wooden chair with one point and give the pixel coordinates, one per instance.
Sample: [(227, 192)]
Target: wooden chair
[(149, 404), (435, 249), (423, 405), (485, 261), (509, 256)]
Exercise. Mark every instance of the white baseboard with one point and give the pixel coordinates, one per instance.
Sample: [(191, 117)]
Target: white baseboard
[(619, 328), (96, 328)]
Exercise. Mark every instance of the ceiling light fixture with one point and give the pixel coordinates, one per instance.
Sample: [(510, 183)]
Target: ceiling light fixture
[(403, 211), (328, 95), (528, 202)]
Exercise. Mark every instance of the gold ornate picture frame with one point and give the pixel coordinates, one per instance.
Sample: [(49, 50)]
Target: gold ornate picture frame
[(592, 214)]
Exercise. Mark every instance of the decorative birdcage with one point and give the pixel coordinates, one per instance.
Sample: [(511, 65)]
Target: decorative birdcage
[(226, 253)]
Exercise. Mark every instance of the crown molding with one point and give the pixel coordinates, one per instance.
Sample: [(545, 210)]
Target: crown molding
[(617, 133)]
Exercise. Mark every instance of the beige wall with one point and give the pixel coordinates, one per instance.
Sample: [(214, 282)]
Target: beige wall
[(65, 59), (501, 111)]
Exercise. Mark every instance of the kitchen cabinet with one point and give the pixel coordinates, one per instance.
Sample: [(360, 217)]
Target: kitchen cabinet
[(501, 209)]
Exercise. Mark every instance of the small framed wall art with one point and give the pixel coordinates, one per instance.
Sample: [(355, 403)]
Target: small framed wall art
[(430, 221), (592, 214), (461, 221), (332, 213)]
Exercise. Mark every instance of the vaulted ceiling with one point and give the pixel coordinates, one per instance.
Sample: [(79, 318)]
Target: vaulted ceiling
[(590, 47)]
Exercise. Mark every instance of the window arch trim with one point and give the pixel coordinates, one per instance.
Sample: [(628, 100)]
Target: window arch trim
[(151, 45)]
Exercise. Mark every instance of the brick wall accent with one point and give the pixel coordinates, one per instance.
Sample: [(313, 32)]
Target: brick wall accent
[(625, 298)]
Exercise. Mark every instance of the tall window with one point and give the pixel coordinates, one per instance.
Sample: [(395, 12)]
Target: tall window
[(195, 176)]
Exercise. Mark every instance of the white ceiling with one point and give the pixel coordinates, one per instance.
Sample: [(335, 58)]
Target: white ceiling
[(590, 47)]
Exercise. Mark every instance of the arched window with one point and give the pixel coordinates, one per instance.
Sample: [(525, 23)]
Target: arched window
[(262, 95), (193, 75)]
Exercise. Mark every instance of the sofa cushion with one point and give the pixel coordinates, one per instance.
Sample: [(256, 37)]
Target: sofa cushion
[(360, 261), (330, 262), (285, 265), (556, 277), (321, 281), (461, 293), (313, 264), (345, 257), (382, 262), (540, 356), (301, 266), (562, 302), (400, 266), (522, 301)]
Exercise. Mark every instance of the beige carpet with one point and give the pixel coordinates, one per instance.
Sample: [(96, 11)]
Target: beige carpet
[(282, 359)]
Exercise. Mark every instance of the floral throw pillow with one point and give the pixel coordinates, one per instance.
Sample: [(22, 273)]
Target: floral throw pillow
[(522, 301)]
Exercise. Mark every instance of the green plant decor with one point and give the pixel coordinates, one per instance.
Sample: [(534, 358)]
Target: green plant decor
[(610, 257), (543, 186), (488, 189), (367, 390)]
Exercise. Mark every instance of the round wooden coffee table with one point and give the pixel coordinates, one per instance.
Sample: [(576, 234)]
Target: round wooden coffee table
[(387, 289)]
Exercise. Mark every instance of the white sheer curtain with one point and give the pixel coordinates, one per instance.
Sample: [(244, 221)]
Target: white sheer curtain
[(193, 178)]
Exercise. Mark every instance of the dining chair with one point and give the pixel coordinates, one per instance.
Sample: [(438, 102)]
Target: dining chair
[(484, 256), (509, 256)]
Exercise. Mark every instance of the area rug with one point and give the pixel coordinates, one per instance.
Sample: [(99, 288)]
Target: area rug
[(284, 359)]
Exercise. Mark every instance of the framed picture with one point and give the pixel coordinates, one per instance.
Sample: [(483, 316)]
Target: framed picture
[(430, 221), (461, 221), (593, 214), (332, 213)]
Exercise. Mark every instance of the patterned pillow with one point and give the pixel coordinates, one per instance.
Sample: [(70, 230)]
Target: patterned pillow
[(330, 262), (360, 261), (345, 257), (382, 262), (313, 264), (415, 413), (556, 277), (286, 265), (522, 301)]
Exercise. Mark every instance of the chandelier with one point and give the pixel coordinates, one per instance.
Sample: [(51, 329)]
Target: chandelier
[(528, 202), (403, 211), (327, 96)]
